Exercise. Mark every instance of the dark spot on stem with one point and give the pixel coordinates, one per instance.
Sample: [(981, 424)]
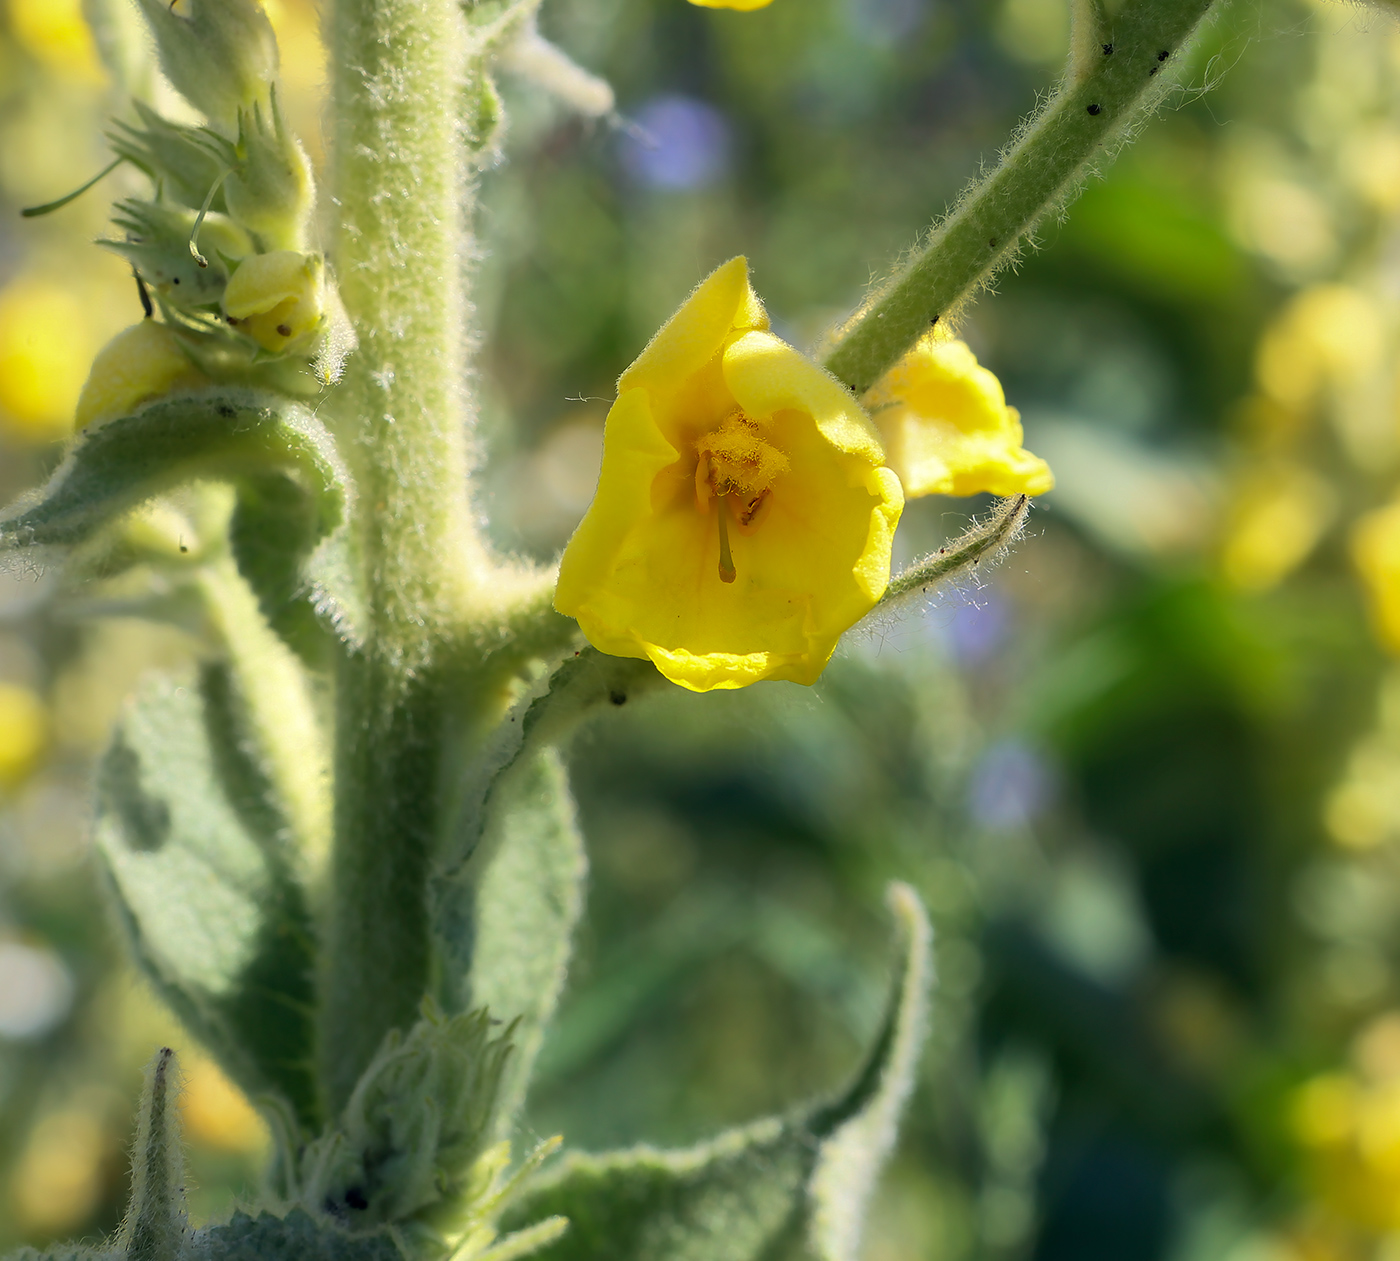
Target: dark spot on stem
[(355, 1198), (1108, 50), (991, 242), (1096, 109), (176, 281), (933, 322), (618, 698), (1163, 55), (226, 411), (1153, 71)]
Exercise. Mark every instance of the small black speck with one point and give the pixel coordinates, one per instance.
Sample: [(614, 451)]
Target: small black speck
[(933, 321), (1096, 109), (355, 1198), (941, 550), (176, 281), (226, 411), (183, 549), (991, 242), (230, 321), (1108, 50), (284, 331), (1153, 71), (1163, 55), (618, 698)]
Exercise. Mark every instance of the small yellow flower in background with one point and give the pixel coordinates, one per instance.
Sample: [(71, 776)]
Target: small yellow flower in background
[(278, 298), (141, 363), (947, 429), (742, 520), (24, 731), (1277, 515), (1327, 334), (55, 33), (745, 5), (1375, 549), (46, 344), (216, 1113)]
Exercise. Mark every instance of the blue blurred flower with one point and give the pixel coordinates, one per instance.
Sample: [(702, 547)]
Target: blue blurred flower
[(1010, 786), (678, 142)]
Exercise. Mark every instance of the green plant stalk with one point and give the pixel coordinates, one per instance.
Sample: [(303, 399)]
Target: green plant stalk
[(1112, 81), (400, 186)]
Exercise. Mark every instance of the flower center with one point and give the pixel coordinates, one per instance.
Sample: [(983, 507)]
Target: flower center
[(737, 465)]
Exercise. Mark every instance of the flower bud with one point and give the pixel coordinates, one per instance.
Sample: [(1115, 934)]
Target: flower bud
[(221, 58), (141, 363), (270, 190), (278, 299), (183, 161)]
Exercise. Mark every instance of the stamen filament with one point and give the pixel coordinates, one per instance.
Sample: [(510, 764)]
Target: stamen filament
[(727, 572)]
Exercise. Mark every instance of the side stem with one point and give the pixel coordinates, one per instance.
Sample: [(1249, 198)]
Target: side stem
[(1111, 82), (399, 68)]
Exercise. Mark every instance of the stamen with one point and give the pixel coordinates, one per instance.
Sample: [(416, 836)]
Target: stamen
[(727, 573)]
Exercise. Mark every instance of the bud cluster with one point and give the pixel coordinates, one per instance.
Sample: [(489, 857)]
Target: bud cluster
[(220, 246)]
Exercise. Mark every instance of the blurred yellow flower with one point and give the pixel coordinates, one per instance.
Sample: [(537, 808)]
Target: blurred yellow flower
[(216, 1113), (58, 1181), (742, 520), (55, 33), (140, 363), (1375, 549), (947, 429), (24, 730), (1277, 515), (45, 345), (1350, 1132), (278, 299), (1328, 334), (745, 5)]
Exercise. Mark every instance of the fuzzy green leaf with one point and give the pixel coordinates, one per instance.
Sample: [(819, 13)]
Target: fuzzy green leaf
[(781, 1188), (197, 850), (246, 437), (508, 918)]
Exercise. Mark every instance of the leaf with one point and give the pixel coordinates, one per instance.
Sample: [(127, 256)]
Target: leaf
[(508, 921), (296, 1237), (243, 436), (778, 1188), (196, 849)]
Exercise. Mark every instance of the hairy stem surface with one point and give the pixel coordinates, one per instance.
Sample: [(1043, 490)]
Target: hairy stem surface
[(398, 73), (1113, 79)]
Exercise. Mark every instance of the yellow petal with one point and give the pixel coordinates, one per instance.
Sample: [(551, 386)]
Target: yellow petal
[(723, 304), (947, 428), (642, 573), (745, 5), (1375, 548), (140, 363), (277, 298)]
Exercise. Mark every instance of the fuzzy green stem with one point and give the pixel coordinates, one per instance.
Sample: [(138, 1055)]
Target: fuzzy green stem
[(401, 202), (1104, 93)]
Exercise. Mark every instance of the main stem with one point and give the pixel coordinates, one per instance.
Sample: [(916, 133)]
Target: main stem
[(1117, 73), (398, 69)]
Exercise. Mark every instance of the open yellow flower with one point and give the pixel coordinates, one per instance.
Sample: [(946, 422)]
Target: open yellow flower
[(947, 428), (742, 520)]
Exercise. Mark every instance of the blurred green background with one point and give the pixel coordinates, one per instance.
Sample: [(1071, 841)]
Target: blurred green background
[(1146, 773)]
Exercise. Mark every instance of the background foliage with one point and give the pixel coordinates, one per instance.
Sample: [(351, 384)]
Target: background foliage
[(1144, 775)]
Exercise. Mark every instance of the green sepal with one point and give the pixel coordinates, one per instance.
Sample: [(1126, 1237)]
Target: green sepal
[(784, 1187), (185, 162), (157, 244), (198, 859), (242, 436), (506, 921)]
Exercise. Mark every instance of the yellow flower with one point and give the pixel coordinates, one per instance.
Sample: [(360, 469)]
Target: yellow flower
[(1278, 512), (278, 299), (745, 5), (24, 730), (742, 520), (948, 430), (1375, 549), (46, 341), (139, 364)]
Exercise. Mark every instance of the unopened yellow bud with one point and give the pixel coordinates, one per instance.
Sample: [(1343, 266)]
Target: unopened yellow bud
[(141, 363), (278, 299), (221, 58), (270, 190)]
